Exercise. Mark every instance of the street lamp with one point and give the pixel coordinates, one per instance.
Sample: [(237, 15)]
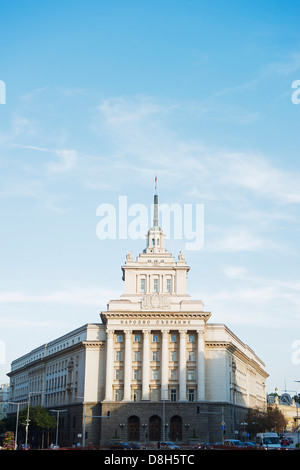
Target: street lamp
[(244, 424), (144, 426), (295, 391), (27, 419), (57, 419), (17, 420)]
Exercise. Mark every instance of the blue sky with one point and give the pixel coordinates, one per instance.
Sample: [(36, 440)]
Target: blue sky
[(103, 95)]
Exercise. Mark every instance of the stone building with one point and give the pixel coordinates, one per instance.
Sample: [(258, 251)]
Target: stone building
[(155, 364)]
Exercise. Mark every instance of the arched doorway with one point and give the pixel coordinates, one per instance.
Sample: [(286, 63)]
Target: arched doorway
[(154, 428), (133, 428), (176, 428)]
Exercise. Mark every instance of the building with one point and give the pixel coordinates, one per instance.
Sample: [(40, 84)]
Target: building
[(155, 364), (4, 397), (288, 407)]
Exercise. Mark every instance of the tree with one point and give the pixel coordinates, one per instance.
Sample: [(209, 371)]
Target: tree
[(262, 421), (40, 420), (275, 419)]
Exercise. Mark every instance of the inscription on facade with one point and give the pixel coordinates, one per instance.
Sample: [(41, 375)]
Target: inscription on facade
[(155, 322)]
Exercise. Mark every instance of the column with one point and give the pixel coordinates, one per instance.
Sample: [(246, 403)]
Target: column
[(200, 366), (109, 365), (164, 365), (182, 366), (127, 366), (146, 366)]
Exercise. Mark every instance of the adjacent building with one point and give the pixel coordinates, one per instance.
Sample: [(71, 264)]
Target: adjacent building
[(155, 364)]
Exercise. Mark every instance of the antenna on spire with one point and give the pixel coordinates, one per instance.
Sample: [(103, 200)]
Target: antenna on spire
[(155, 218)]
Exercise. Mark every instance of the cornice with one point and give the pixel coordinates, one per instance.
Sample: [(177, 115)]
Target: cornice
[(154, 315)]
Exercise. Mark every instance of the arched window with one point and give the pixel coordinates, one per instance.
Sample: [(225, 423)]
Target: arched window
[(154, 428), (133, 428), (176, 428)]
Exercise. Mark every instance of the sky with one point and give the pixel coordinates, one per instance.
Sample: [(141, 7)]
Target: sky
[(98, 98)]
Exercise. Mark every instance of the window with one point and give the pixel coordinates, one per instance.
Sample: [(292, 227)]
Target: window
[(118, 374), (154, 355), (136, 374), (191, 374), (119, 356), (155, 285), (191, 338), (136, 395), (143, 285), (136, 355), (154, 374), (173, 338), (118, 394), (173, 394), (155, 338), (173, 356), (119, 338), (191, 394), (169, 285), (137, 338), (173, 375), (191, 356)]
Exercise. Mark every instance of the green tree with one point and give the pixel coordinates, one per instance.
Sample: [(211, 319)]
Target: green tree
[(40, 421)]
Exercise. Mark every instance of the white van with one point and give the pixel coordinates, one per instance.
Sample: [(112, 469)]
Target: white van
[(268, 440)]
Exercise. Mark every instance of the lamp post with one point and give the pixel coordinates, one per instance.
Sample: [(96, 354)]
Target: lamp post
[(144, 426), (27, 419), (57, 419), (297, 425), (244, 424), (17, 420), (295, 391)]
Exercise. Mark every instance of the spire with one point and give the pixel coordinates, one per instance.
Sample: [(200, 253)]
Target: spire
[(155, 235), (155, 217)]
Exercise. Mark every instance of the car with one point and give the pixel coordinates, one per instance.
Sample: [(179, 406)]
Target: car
[(233, 442), (290, 439), (120, 445), (136, 445), (285, 442), (249, 444), (24, 447), (168, 445), (203, 445)]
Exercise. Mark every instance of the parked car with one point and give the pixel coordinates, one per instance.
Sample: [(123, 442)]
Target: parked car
[(120, 445), (233, 442), (203, 445), (136, 445), (168, 445)]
